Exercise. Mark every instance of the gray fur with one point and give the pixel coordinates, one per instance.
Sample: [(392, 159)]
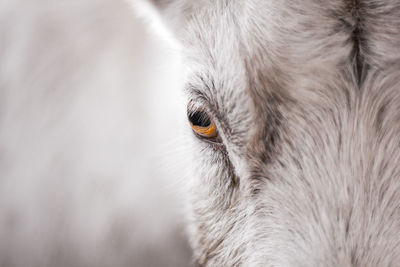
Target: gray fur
[(305, 95)]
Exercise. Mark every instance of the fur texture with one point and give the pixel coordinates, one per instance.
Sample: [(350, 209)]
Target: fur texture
[(305, 95)]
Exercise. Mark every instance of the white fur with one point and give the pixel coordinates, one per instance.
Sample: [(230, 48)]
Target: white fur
[(304, 96)]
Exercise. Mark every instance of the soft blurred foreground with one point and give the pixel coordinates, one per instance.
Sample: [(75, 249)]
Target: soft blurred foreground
[(89, 113)]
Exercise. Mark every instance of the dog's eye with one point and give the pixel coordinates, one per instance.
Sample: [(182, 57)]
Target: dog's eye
[(202, 124)]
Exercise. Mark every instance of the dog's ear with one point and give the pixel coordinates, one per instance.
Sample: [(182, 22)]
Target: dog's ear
[(173, 14)]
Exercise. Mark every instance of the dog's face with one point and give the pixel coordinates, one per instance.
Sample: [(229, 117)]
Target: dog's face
[(294, 108)]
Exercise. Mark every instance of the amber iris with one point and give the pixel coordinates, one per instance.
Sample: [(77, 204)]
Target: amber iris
[(202, 124)]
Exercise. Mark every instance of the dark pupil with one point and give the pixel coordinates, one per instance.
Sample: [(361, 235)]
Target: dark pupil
[(199, 118)]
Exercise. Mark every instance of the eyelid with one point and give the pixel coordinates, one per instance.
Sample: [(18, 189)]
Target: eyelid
[(197, 103)]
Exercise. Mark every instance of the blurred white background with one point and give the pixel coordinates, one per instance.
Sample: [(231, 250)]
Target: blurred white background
[(90, 111)]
